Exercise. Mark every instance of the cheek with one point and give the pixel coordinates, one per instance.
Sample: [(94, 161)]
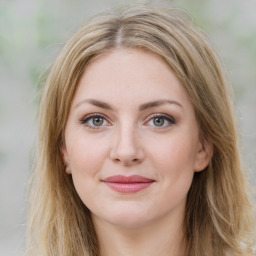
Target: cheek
[(86, 154), (86, 161), (174, 162), (175, 152)]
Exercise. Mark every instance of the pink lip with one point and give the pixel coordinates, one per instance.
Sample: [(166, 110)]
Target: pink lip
[(128, 184)]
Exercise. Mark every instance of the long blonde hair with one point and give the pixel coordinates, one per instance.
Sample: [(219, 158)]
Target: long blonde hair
[(219, 217)]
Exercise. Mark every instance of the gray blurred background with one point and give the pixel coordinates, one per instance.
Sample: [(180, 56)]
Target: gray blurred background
[(31, 35)]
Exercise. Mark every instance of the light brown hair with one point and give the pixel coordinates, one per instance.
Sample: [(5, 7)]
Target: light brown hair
[(219, 217)]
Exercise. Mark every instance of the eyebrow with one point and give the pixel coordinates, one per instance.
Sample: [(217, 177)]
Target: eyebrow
[(144, 106), (158, 103), (96, 103)]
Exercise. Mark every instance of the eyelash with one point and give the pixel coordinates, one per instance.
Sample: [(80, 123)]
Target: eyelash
[(89, 117), (167, 118)]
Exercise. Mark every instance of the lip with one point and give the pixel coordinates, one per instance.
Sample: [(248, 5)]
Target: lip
[(128, 184)]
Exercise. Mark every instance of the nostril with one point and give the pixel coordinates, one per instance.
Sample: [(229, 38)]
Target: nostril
[(127, 162)]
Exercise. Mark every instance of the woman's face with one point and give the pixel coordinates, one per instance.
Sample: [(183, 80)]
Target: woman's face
[(132, 141)]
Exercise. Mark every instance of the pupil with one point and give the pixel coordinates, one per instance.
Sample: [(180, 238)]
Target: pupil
[(97, 121), (158, 121)]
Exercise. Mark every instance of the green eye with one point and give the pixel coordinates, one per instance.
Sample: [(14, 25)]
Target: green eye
[(161, 120), (158, 121), (97, 121), (94, 121)]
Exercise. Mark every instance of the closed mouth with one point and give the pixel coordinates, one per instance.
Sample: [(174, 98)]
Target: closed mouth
[(128, 184)]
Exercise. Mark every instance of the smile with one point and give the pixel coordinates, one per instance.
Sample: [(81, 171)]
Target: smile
[(128, 184)]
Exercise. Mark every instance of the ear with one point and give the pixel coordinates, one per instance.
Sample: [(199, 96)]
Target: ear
[(65, 159), (204, 155)]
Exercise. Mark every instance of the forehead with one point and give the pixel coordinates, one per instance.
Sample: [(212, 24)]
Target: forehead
[(129, 75)]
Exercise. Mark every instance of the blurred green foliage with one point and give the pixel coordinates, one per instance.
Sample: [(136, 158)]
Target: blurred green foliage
[(32, 33)]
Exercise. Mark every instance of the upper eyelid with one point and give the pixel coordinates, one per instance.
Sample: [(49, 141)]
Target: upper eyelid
[(93, 115), (87, 117), (160, 115)]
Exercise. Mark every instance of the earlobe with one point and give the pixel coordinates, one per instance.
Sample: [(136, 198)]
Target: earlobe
[(204, 155), (65, 159)]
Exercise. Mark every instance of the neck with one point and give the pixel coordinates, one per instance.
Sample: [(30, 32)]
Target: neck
[(153, 239)]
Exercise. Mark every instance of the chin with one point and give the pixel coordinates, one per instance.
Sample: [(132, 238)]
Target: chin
[(129, 223), (126, 219)]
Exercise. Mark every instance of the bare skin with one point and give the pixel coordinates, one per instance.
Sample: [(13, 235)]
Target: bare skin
[(155, 239), (131, 119)]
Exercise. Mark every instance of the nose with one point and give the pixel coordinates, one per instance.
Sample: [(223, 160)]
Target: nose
[(127, 149)]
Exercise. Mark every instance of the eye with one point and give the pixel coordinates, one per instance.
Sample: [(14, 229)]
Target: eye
[(94, 121), (161, 120)]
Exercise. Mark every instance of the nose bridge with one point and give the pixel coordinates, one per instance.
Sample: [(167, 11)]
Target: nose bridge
[(126, 144)]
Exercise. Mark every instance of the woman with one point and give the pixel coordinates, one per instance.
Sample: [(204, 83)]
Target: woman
[(137, 150)]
